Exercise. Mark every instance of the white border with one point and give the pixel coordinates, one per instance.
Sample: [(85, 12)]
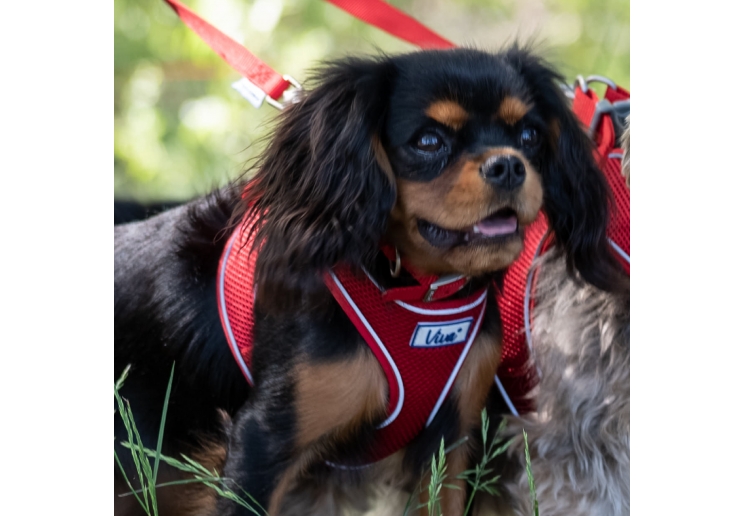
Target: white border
[(619, 251), (505, 396), (444, 311), (458, 365), (223, 308), (366, 324)]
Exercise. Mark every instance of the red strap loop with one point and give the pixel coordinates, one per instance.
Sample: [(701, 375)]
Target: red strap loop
[(234, 54)]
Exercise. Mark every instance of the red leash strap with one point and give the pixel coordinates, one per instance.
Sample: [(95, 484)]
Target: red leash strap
[(234, 54), (393, 21)]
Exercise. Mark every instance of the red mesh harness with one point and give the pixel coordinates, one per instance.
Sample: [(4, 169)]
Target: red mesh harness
[(421, 345), (419, 337)]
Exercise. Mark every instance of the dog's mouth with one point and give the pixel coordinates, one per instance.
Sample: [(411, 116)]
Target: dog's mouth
[(497, 227)]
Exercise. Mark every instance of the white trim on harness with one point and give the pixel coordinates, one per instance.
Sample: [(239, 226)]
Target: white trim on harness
[(505, 396), (619, 251), (398, 379), (458, 365), (233, 345), (445, 311)]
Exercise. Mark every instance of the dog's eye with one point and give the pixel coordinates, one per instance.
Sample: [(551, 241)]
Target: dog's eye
[(529, 137), (429, 142)]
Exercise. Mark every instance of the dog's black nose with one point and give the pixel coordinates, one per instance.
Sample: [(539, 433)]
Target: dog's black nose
[(506, 172)]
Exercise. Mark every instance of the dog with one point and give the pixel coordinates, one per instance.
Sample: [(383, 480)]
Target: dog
[(390, 170), (579, 435)]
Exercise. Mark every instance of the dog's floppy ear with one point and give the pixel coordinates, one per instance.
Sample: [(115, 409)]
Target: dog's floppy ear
[(324, 188), (577, 200)]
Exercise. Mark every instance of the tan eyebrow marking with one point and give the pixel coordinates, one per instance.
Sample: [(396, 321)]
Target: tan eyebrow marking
[(449, 113), (512, 110)]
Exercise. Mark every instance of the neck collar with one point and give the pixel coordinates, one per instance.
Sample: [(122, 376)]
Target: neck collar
[(430, 287)]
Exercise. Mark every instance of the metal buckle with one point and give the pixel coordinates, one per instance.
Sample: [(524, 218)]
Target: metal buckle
[(444, 280), (396, 272), (290, 95), (584, 83), (617, 111), (568, 91), (604, 106)]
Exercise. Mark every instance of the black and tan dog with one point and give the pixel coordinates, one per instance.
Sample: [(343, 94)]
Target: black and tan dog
[(444, 155)]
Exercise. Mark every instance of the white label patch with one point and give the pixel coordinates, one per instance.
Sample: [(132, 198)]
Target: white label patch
[(432, 335)]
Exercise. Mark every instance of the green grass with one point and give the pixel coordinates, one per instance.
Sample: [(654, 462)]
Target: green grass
[(147, 471), (481, 478), (147, 461), (530, 478)]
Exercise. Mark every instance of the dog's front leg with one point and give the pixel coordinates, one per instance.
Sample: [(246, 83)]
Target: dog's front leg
[(284, 430)]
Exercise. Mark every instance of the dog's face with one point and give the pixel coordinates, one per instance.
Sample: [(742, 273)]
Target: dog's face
[(448, 155), (465, 144)]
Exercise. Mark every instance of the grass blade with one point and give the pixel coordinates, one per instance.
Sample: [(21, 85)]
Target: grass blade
[(159, 446), (530, 478), (124, 474), (146, 469)]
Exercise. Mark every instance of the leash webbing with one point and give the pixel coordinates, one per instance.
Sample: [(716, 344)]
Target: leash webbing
[(393, 21), (234, 54), (266, 80)]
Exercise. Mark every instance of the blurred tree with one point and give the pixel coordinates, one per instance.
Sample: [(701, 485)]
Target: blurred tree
[(181, 130)]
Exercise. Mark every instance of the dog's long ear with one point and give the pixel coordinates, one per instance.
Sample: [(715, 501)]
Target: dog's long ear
[(324, 188), (577, 200)]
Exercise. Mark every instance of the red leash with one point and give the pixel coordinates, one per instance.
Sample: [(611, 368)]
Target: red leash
[(261, 82), (386, 17), (234, 54)]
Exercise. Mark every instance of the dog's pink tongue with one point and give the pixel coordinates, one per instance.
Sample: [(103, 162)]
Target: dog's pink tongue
[(498, 225)]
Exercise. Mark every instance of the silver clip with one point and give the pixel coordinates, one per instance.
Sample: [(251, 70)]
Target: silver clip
[(290, 96), (605, 106), (584, 83), (444, 280), (396, 272)]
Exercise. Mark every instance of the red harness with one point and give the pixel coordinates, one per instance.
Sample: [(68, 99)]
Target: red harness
[(421, 345), (420, 338)]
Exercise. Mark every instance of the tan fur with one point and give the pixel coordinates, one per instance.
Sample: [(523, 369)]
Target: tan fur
[(555, 133), (512, 109), (457, 199), (338, 396), (476, 378), (333, 400), (382, 159), (449, 113)]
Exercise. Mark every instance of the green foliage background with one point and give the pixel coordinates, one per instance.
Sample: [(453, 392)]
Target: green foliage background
[(181, 130)]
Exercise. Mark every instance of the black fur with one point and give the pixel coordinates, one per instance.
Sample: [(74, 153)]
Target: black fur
[(324, 196), (320, 190)]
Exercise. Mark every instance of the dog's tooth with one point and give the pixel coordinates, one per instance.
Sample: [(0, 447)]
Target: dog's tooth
[(476, 229)]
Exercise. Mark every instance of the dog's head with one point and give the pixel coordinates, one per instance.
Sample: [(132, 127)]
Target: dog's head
[(447, 155)]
